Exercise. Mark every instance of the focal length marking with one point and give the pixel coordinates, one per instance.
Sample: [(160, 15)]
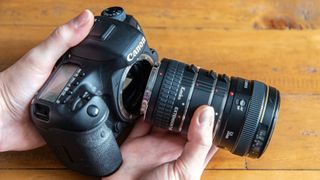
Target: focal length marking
[(137, 49)]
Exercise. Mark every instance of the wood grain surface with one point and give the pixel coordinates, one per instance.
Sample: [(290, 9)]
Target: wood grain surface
[(277, 42)]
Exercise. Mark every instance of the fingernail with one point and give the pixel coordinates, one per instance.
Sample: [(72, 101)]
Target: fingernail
[(206, 116), (81, 19)]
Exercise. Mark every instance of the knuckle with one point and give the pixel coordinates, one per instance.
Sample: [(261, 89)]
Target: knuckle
[(31, 62), (32, 55), (204, 142), (59, 33), (62, 35)]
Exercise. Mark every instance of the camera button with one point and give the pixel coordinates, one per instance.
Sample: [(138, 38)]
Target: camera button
[(82, 74), (65, 99), (69, 92), (85, 94), (119, 127), (242, 102), (93, 110), (75, 83), (77, 104)]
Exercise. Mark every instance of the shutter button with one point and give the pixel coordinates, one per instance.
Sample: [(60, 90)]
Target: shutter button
[(93, 111)]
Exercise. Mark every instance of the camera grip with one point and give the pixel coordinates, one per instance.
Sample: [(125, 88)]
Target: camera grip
[(93, 152)]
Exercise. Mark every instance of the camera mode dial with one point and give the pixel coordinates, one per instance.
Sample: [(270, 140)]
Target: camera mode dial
[(114, 13)]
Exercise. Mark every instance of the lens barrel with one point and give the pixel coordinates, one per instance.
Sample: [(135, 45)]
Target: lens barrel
[(245, 111)]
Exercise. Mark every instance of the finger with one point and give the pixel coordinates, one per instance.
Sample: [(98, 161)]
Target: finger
[(44, 56), (214, 149), (141, 128), (199, 141)]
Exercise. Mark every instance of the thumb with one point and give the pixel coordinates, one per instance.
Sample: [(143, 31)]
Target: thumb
[(27, 75), (199, 143), (44, 56)]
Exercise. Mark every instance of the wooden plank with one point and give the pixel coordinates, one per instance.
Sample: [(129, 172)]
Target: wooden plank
[(207, 175), (286, 60), (259, 174), (295, 143), (42, 174), (38, 158), (218, 14), (226, 36), (43, 158)]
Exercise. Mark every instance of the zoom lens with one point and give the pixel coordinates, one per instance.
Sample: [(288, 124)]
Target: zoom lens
[(245, 111)]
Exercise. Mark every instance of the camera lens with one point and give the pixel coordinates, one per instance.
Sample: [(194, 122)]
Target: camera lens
[(245, 110)]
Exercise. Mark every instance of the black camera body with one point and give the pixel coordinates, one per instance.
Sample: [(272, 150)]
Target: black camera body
[(100, 87), (80, 110)]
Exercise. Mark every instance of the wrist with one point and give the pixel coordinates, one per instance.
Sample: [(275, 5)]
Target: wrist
[(5, 144), (2, 113), (115, 176), (121, 173)]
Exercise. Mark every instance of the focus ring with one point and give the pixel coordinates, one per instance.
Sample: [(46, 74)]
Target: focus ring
[(167, 94), (252, 119)]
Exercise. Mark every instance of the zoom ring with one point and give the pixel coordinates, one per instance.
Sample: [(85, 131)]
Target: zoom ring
[(167, 94), (252, 120)]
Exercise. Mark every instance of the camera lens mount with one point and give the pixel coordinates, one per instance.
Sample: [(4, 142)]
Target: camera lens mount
[(132, 86)]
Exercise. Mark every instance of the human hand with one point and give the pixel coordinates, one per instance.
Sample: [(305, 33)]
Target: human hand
[(153, 153), (20, 82)]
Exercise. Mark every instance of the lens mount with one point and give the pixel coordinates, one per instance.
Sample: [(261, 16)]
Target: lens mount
[(149, 87), (132, 86)]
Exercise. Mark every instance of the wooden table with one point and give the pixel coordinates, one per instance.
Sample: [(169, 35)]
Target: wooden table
[(275, 42)]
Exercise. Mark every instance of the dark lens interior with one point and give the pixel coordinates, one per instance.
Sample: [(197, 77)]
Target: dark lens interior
[(134, 87), (245, 111)]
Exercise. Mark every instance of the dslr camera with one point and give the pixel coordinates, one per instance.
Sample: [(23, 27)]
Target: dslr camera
[(100, 87)]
